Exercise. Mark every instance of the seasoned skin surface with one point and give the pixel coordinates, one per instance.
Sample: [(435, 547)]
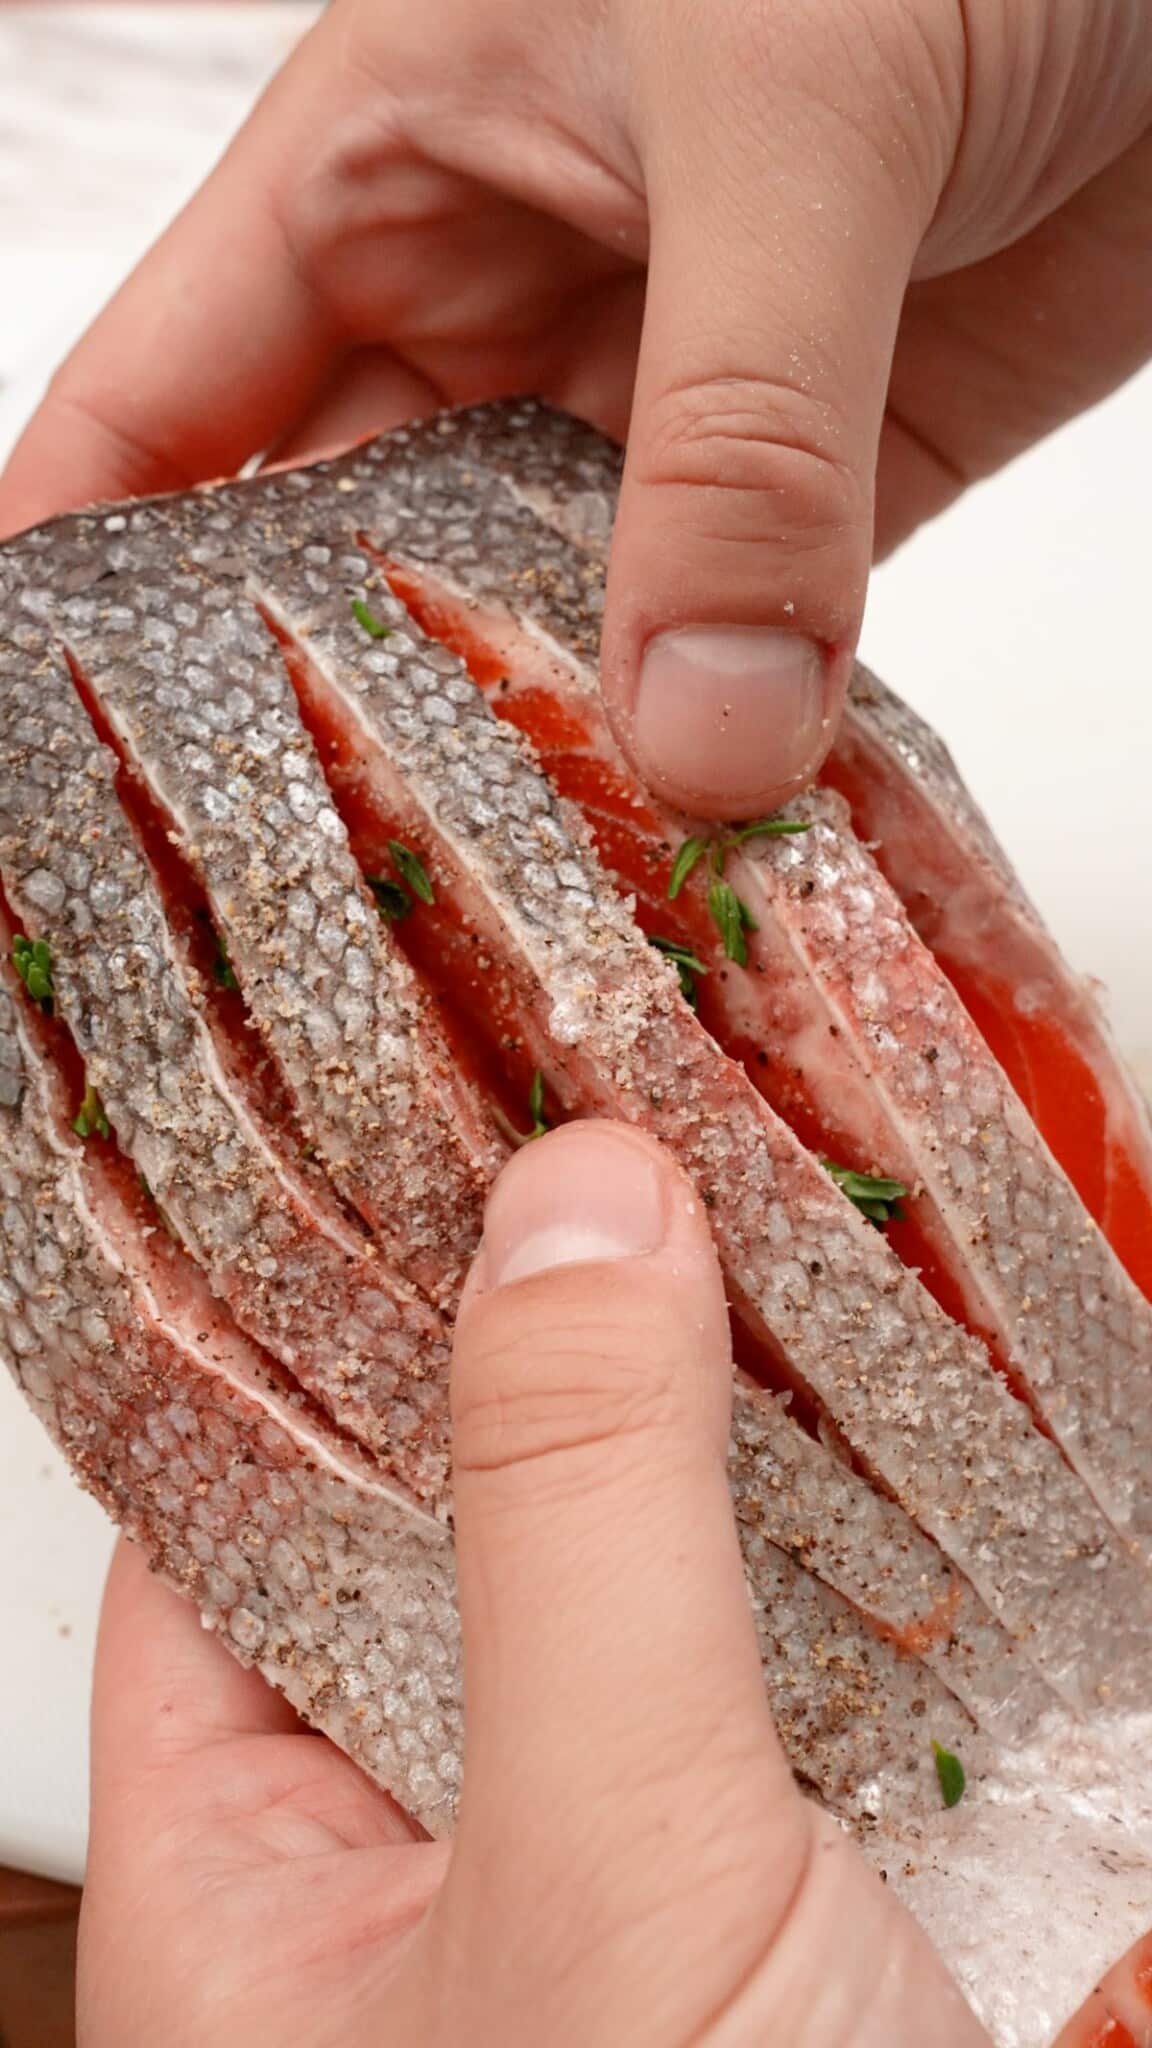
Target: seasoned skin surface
[(939, 1487)]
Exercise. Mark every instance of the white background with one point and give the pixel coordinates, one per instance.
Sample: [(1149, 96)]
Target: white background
[(1018, 623)]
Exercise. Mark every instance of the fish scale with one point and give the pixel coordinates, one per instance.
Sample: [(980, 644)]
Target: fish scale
[(194, 685), (357, 1335), (338, 1589), (901, 1580), (909, 1390)]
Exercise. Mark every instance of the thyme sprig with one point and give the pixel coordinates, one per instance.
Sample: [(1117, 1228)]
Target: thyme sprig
[(32, 959), (730, 914), (874, 1194), (950, 1772), (91, 1119), (366, 618), (684, 960)]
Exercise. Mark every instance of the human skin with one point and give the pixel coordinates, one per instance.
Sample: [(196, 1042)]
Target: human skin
[(633, 1862), (831, 260)]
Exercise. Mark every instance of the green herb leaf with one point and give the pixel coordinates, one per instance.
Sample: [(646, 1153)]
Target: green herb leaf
[(412, 870), (691, 851), (91, 1119), (732, 919), (32, 959), (950, 1772), (374, 627), (392, 900), (223, 973), (540, 1123), (876, 1197), (685, 962), (770, 828)]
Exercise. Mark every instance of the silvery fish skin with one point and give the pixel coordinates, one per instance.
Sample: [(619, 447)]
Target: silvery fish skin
[(978, 1598)]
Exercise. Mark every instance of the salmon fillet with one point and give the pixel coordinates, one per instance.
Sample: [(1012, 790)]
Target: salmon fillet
[(335, 878)]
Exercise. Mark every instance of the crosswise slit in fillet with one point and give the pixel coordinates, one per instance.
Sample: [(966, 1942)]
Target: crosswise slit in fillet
[(338, 1588), (297, 1278), (1044, 1026), (600, 1014), (868, 1052)]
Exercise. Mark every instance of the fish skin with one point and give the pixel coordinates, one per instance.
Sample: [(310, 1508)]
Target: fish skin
[(900, 1585), (358, 1335), (338, 1588), (963, 897), (307, 1563), (606, 1024), (804, 1498), (197, 691)]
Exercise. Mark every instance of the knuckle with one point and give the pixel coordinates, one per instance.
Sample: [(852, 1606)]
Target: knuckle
[(535, 1396), (762, 441)]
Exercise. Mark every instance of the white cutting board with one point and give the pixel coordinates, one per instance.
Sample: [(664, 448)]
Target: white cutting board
[(1017, 623)]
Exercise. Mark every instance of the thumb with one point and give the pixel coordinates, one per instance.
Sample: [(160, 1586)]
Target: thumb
[(611, 1676), (781, 245)]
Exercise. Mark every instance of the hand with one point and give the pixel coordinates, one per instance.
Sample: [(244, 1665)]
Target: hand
[(633, 1863), (852, 253)]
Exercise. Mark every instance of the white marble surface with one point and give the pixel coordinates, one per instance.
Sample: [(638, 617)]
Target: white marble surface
[(1017, 623)]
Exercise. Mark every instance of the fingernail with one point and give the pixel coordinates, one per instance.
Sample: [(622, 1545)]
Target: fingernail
[(731, 716), (588, 1191)]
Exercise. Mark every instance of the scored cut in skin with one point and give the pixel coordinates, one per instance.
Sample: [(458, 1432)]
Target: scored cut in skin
[(790, 1489), (930, 839), (870, 1054), (400, 725), (307, 1286), (1044, 1025), (338, 1588)]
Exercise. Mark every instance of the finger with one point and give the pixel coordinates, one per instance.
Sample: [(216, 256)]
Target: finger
[(166, 1692), (370, 392), (785, 211), (215, 342), (164, 1684), (610, 1657), (970, 389)]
